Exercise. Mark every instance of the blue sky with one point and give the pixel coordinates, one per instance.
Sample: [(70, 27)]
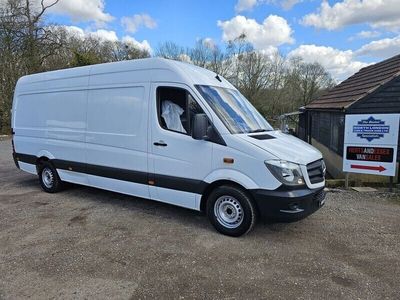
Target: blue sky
[(342, 35)]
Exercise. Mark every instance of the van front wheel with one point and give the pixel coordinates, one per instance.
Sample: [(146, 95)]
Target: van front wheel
[(231, 211), (49, 179)]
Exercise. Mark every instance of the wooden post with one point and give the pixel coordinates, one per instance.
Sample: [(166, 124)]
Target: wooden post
[(391, 184), (346, 181)]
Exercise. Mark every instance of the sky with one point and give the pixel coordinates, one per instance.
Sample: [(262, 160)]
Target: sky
[(343, 36)]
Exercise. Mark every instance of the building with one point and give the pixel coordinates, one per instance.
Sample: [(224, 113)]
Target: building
[(374, 89)]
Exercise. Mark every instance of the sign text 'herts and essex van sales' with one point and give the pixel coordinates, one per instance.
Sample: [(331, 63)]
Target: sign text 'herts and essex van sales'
[(370, 144)]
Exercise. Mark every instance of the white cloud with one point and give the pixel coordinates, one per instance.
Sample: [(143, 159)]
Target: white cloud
[(143, 45), (376, 13), (106, 36), (383, 48), (288, 4), (77, 10), (274, 31), (243, 5), (77, 32), (246, 5), (185, 58), (209, 43), (341, 64), (72, 30), (365, 34), (270, 52), (368, 34), (81, 10), (132, 24)]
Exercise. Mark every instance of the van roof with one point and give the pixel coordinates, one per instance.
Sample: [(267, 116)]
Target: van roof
[(176, 72)]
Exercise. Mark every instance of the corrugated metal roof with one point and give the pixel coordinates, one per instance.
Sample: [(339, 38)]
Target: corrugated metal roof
[(359, 85)]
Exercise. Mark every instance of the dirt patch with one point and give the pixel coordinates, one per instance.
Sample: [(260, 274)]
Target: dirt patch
[(78, 220)]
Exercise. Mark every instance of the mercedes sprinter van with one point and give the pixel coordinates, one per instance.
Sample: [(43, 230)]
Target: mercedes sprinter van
[(167, 131)]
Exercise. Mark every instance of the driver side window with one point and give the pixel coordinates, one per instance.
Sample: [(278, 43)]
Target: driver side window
[(176, 108)]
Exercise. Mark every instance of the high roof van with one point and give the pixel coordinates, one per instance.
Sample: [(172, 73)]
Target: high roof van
[(167, 131)]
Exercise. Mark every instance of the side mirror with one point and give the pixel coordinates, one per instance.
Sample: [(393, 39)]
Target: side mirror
[(200, 127)]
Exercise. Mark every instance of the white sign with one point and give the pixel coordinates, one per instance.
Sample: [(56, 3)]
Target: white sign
[(370, 144)]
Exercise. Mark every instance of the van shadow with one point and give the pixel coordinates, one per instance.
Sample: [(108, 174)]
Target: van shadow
[(142, 205), (187, 217), (183, 216), (31, 182), (23, 183)]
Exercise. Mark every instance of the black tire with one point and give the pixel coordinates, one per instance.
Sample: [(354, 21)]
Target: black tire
[(231, 211), (48, 178)]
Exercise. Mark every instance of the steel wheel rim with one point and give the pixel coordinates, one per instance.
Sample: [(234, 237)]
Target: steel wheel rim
[(47, 178), (228, 211)]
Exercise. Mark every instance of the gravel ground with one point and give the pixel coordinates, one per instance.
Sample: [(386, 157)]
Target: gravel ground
[(88, 243)]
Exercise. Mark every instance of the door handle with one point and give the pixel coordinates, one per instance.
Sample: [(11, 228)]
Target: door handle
[(160, 144)]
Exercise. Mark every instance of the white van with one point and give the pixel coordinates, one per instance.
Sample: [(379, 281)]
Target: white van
[(167, 131)]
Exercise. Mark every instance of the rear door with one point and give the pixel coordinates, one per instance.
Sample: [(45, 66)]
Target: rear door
[(179, 162)]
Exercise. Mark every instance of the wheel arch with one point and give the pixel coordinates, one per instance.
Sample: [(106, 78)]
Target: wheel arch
[(43, 156), (225, 177), (212, 186)]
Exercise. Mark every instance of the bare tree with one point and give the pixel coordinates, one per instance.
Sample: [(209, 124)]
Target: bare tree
[(126, 51), (25, 43), (218, 62), (39, 43), (170, 50), (309, 79), (275, 101), (236, 49), (253, 78)]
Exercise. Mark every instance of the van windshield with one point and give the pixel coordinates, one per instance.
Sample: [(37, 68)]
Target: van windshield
[(234, 110)]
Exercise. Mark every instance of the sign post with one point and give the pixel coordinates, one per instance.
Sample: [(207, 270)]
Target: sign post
[(370, 144)]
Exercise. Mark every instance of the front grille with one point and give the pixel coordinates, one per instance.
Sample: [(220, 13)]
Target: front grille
[(316, 171)]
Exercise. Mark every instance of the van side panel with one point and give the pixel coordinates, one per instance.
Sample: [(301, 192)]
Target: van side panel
[(117, 117), (116, 138), (57, 115), (53, 123)]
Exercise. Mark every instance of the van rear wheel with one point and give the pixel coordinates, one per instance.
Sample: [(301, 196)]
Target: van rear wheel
[(231, 211), (48, 178)]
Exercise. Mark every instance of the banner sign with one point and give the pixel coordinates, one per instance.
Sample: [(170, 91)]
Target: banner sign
[(370, 144), (370, 154)]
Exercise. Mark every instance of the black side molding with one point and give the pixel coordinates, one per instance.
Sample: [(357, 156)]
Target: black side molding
[(160, 180), (26, 158)]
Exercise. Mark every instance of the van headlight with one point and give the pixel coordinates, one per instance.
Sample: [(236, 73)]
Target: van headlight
[(286, 172)]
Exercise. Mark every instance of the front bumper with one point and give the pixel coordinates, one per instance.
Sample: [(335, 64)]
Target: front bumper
[(285, 205)]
